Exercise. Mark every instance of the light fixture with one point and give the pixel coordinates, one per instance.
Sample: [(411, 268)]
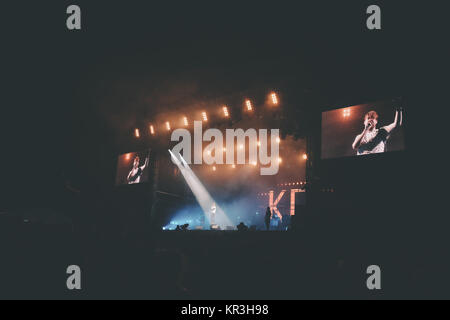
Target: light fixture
[(274, 98), (225, 111), (248, 104)]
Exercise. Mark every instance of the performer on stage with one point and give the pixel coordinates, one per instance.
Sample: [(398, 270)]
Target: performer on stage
[(277, 220), (212, 219), (267, 218), (372, 139), (136, 172)]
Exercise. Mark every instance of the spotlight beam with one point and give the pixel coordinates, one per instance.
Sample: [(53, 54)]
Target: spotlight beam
[(201, 194)]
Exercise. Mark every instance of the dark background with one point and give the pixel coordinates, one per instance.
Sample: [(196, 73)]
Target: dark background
[(70, 100)]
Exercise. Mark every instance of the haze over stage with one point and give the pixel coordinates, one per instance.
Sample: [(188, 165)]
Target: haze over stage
[(204, 199)]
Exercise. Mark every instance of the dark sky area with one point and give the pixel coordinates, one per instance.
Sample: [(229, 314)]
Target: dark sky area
[(72, 97)]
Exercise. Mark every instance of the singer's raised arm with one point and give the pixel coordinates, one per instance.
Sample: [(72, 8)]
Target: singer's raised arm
[(145, 163), (397, 122)]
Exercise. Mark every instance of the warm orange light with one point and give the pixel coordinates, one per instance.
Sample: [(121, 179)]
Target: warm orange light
[(137, 133), (214, 168), (346, 113), (278, 140), (293, 192), (233, 166), (225, 111), (305, 156), (168, 125), (248, 104), (259, 144), (205, 118), (241, 146), (274, 98), (185, 121), (253, 163), (128, 156), (280, 160)]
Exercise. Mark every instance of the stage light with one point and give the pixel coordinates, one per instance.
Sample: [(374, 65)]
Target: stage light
[(136, 133), (152, 130), (201, 194), (224, 149), (346, 113), (241, 147), (185, 121), (233, 166), (168, 125), (259, 144), (128, 156), (248, 104), (274, 98), (278, 140), (280, 160), (208, 152), (305, 156), (205, 118), (225, 111), (214, 168), (254, 163)]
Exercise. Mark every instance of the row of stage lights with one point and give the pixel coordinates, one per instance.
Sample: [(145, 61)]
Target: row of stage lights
[(290, 184), (301, 184), (273, 98), (304, 156), (254, 164)]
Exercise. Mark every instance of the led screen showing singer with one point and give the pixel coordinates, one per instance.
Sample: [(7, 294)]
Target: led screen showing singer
[(132, 168), (363, 129)]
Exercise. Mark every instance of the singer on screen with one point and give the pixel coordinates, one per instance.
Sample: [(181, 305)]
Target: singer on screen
[(372, 139), (136, 172)]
